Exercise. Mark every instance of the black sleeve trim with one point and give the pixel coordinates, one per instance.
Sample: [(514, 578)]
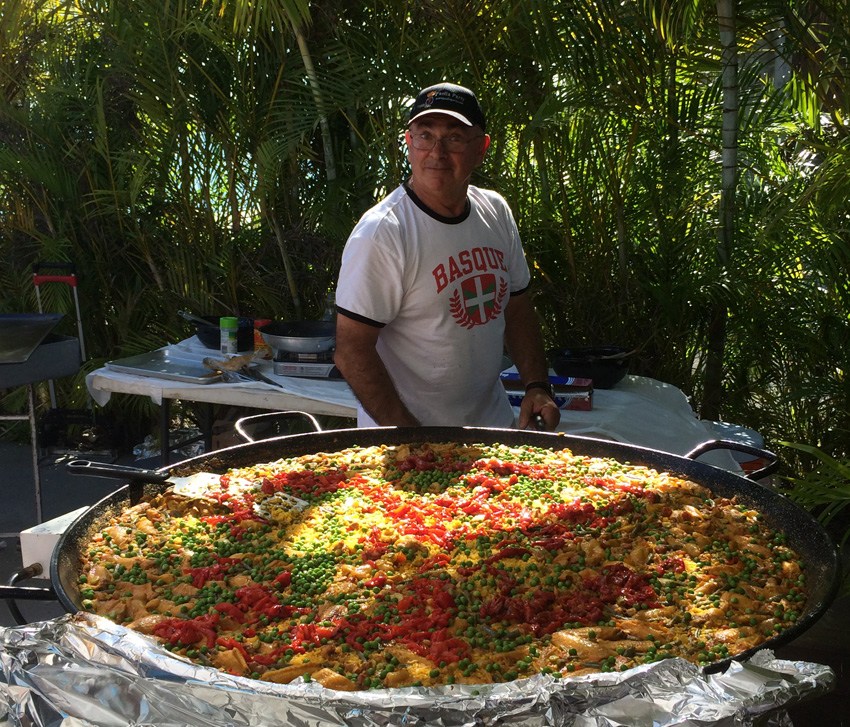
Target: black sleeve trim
[(359, 318), (520, 292)]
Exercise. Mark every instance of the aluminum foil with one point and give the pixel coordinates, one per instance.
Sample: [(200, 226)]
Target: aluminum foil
[(80, 670)]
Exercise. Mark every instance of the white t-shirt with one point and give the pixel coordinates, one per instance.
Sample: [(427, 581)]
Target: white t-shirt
[(438, 287)]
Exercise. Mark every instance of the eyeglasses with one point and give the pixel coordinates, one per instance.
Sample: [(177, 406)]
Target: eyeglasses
[(454, 144)]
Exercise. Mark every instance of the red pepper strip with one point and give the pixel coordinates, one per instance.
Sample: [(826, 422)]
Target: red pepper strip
[(405, 603), (379, 580), (549, 544), (417, 649), (213, 572), (311, 634), (448, 650), (283, 579), (229, 643), (677, 565), (175, 630), (618, 581), (230, 609), (445, 600), (435, 560)]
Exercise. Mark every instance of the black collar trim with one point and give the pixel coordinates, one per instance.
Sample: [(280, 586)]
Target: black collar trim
[(428, 211)]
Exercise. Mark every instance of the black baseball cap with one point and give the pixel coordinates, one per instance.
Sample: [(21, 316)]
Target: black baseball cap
[(451, 99)]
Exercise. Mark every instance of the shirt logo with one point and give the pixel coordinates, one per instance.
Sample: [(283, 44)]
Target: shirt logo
[(478, 300)]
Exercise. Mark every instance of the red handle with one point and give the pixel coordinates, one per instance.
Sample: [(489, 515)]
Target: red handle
[(70, 279)]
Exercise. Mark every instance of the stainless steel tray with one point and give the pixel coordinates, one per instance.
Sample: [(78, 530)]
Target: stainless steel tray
[(162, 364)]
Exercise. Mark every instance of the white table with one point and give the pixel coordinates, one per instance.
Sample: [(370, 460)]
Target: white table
[(638, 411)]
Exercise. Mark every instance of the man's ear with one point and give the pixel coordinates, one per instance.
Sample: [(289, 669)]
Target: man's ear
[(485, 145)]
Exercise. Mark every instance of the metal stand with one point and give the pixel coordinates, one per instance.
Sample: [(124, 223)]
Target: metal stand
[(30, 415), (166, 448)]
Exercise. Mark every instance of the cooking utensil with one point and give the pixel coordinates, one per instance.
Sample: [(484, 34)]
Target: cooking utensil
[(804, 534), (604, 365), (192, 318), (300, 336), (612, 356)]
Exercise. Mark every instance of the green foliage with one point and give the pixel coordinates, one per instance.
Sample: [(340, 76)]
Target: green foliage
[(213, 156), (826, 489)]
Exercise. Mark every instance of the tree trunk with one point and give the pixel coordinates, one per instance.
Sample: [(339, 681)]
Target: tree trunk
[(327, 142), (716, 345)]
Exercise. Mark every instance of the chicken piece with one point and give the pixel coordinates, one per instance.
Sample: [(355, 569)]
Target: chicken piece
[(656, 614), (236, 363), (332, 680), (230, 660), (398, 678), (744, 637), (288, 673), (145, 624), (594, 553), (184, 589), (329, 611), (587, 648), (135, 609), (113, 608), (143, 525), (239, 580), (642, 630), (638, 556), (141, 592), (98, 575)]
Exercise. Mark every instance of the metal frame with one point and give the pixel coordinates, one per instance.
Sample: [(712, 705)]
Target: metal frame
[(30, 415)]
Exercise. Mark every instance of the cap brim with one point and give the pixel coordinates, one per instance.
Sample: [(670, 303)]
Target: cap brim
[(455, 114)]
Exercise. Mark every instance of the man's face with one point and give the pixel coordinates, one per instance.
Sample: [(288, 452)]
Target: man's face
[(439, 170)]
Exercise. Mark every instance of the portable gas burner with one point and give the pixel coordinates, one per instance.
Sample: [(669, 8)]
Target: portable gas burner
[(311, 364)]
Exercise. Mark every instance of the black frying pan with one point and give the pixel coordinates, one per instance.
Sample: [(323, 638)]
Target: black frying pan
[(804, 534)]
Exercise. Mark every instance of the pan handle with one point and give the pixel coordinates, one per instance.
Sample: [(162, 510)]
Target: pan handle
[(772, 459), (240, 429), (538, 422), (11, 591), (115, 471)]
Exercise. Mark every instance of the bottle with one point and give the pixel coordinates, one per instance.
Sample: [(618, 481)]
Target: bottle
[(229, 326), (259, 341), (330, 307)]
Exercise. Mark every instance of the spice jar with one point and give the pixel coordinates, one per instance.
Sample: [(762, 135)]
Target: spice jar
[(229, 327)]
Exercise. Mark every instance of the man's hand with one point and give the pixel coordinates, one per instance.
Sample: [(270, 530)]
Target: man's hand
[(525, 346), (537, 401)]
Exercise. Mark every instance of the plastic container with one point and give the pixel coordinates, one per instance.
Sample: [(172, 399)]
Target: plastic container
[(259, 343), (229, 326)]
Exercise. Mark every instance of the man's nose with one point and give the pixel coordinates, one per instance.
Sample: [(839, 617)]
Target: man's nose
[(438, 149)]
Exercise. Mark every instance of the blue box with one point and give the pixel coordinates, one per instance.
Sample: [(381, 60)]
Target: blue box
[(570, 392)]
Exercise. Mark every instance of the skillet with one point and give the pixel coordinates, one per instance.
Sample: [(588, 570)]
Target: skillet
[(804, 534)]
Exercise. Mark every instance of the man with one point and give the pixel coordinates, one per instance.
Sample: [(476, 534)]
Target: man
[(433, 286)]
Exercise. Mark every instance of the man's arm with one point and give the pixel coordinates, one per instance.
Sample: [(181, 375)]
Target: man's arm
[(361, 366), (525, 346)]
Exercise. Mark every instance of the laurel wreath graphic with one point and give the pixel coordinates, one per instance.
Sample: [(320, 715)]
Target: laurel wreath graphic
[(497, 303), (460, 314)]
